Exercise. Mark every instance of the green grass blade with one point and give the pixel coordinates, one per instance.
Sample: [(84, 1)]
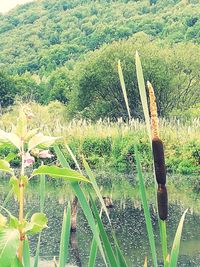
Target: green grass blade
[(93, 253), (61, 157), (108, 249), (123, 86), (84, 205), (176, 243), (143, 94), (95, 186), (120, 257), (65, 235), (74, 158), (89, 216), (8, 197), (36, 258), (146, 209), (26, 253)]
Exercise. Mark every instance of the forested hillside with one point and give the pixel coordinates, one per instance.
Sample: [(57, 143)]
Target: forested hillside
[(44, 34), (49, 50)]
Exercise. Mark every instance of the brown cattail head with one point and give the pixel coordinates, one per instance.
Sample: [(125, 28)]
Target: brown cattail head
[(159, 161), (153, 111), (162, 200)]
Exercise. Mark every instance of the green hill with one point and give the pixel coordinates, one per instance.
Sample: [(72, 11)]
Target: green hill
[(44, 34)]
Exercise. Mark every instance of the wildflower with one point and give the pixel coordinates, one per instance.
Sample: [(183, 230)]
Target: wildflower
[(28, 160), (45, 154)]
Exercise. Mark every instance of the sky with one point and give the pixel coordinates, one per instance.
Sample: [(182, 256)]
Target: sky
[(6, 5)]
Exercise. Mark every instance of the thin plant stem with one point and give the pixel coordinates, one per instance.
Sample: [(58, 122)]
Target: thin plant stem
[(21, 205)]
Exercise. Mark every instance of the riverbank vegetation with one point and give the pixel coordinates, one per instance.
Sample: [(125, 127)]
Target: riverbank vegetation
[(107, 144)]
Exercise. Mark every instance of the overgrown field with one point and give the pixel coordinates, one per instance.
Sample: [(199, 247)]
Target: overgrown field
[(110, 145)]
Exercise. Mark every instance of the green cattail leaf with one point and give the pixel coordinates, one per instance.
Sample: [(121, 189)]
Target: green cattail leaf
[(143, 95), (176, 243), (107, 245), (95, 186), (121, 78), (65, 235), (66, 174), (93, 253), (146, 209), (84, 205)]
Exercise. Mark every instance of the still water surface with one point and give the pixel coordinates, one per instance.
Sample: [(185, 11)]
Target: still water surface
[(127, 219)]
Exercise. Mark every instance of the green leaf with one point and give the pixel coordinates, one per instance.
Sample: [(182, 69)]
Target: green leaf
[(26, 253), (10, 138), (61, 157), (17, 263), (65, 234), (42, 140), (93, 253), (37, 223), (30, 134), (107, 245), (21, 128), (176, 243), (14, 182), (65, 173), (13, 223), (10, 157), (120, 256), (36, 258), (84, 205), (5, 166), (95, 186), (9, 242), (8, 197), (143, 95), (121, 77), (3, 221), (146, 208)]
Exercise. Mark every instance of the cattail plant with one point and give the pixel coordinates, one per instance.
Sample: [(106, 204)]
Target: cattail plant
[(159, 158)]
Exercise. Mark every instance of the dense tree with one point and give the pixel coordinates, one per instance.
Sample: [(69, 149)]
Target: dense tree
[(31, 34), (27, 87), (173, 71), (59, 86), (7, 90)]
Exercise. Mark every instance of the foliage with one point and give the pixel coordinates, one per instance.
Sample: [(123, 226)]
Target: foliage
[(39, 36), (28, 142), (7, 90), (44, 42), (96, 91)]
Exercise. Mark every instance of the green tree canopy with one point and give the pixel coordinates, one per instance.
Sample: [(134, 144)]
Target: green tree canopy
[(7, 90), (173, 71)]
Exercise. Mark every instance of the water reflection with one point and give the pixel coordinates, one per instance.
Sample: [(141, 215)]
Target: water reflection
[(127, 218)]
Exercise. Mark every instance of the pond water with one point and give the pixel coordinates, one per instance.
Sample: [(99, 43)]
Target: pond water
[(127, 220)]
